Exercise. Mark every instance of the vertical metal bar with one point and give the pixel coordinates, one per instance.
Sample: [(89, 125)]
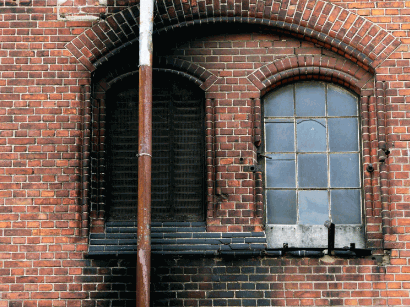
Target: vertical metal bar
[(214, 166), (171, 137), (82, 136), (331, 238), (144, 153)]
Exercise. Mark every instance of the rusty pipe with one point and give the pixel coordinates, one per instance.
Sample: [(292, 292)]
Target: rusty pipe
[(144, 154)]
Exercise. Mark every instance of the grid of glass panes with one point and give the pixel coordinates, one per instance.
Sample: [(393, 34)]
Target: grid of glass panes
[(311, 134)]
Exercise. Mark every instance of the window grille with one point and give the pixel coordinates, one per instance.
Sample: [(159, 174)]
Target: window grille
[(177, 190)]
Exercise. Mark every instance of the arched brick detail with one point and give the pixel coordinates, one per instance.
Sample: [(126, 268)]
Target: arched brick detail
[(196, 73), (319, 21), (341, 69)]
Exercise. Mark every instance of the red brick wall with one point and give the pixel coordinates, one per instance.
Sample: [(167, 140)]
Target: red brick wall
[(46, 61)]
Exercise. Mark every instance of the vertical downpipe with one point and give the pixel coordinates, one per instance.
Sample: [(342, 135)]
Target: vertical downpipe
[(144, 153)]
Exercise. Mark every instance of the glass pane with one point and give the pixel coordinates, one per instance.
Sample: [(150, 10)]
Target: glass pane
[(280, 136), (343, 134), (311, 135), (345, 206), (344, 171), (313, 207), (280, 171), (341, 102), (279, 102), (312, 171), (310, 99), (281, 207)]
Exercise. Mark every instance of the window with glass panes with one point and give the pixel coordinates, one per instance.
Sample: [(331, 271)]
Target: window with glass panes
[(312, 165)]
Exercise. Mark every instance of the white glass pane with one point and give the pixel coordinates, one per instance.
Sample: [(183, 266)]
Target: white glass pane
[(311, 135), (310, 99), (313, 207), (312, 171), (279, 102), (343, 134), (280, 171), (280, 136), (281, 207), (345, 206), (344, 171), (340, 102)]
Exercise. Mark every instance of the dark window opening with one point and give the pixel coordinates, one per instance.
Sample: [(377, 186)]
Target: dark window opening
[(178, 150)]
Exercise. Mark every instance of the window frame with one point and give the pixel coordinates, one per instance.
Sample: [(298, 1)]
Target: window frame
[(314, 236)]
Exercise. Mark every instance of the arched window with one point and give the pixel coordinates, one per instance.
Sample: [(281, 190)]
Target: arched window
[(178, 150), (312, 166)]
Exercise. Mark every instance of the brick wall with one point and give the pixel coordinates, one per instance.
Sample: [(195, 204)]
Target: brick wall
[(57, 58)]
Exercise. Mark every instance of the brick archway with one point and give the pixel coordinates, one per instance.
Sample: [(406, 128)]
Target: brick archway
[(194, 72), (334, 27), (338, 69)]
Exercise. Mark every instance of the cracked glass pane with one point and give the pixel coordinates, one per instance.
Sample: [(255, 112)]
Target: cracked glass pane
[(311, 135)]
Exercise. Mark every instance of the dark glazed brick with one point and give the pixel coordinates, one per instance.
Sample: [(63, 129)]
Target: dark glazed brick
[(221, 294)]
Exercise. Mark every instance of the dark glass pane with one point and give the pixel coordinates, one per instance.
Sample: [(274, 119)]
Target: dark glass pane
[(279, 102), (281, 207), (312, 171), (310, 99), (280, 171), (313, 207), (345, 206), (280, 136), (311, 135), (343, 134), (344, 171), (341, 102)]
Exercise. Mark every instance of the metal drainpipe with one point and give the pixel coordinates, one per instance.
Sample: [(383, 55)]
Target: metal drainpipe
[(144, 153)]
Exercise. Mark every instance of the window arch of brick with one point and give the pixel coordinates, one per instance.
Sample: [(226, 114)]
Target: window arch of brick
[(372, 112), (98, 109), (322, 22), (341, 71)]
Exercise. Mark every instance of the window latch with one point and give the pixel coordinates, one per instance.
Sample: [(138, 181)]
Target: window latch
[(263, 156)]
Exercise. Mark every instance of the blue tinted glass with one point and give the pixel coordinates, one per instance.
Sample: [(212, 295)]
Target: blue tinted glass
[(341, 102), (281, 207), (343, 134), (313, 207), (311, 135), (312, 171), (279, 102), (345, 206), (280, 136), (344, 171), (310, 99), (280, 171)]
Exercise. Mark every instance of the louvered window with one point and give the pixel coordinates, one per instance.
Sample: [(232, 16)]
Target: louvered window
[(178, 150)]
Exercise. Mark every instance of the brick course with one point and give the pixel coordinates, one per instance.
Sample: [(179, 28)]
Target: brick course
[(57, 60)]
